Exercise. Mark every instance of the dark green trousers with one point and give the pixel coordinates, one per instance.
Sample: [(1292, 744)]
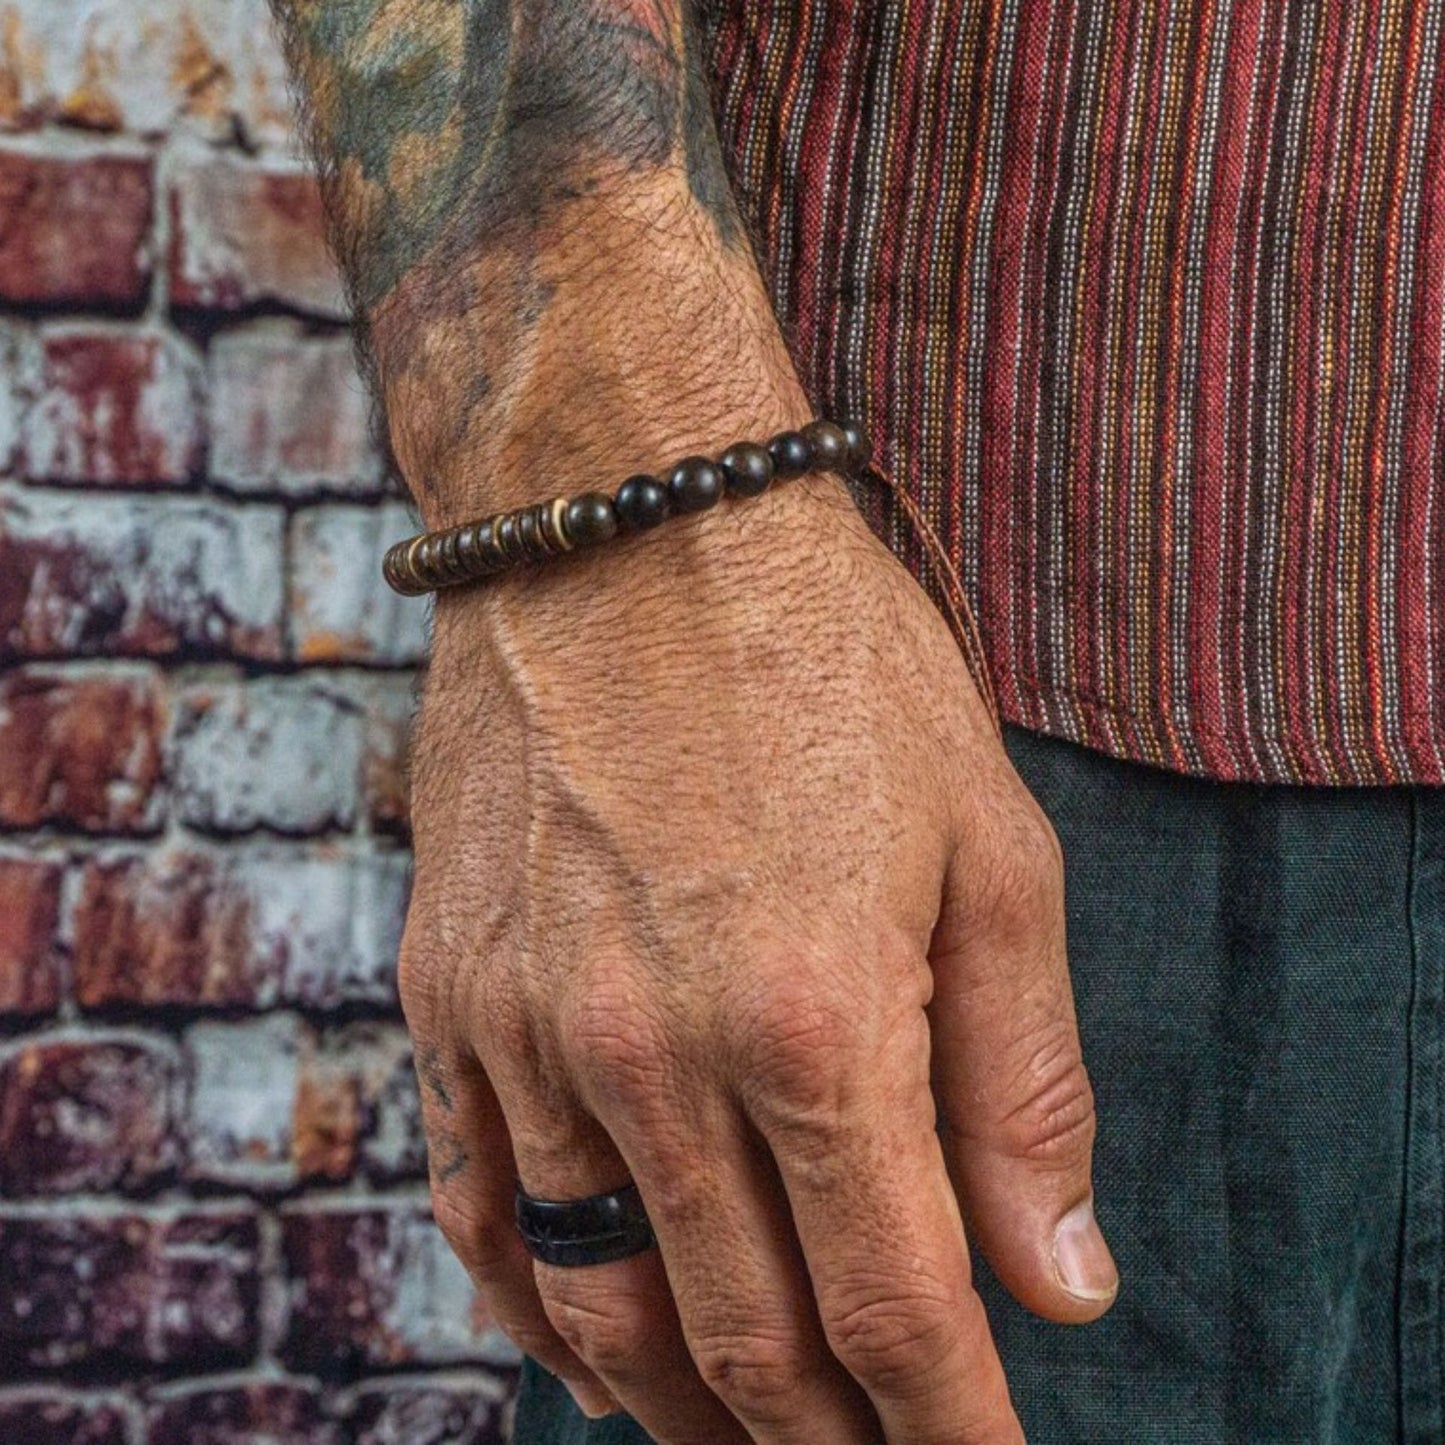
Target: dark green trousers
[(1259, 982)]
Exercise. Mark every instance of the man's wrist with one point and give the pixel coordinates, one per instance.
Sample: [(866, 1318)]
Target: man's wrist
[(651, 582)]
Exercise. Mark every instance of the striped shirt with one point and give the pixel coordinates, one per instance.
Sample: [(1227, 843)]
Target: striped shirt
[(1142, 300)]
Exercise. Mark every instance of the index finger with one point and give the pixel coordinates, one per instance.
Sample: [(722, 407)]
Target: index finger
[(853, 1136)]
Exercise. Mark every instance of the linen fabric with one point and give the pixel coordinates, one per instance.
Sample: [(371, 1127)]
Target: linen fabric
[(1142, 301)]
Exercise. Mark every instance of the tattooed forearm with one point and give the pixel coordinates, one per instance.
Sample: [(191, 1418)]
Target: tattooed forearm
[(531, 209), (440, 125)]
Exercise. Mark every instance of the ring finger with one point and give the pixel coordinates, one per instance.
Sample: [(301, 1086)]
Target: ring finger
[(618, 1316)]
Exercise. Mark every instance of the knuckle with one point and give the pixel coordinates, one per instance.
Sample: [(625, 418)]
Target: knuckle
[(801, 1041), (604, 1326), (889, 1339), (756, 1375), (616, 1047), (1028, 876), (1053, 1120)]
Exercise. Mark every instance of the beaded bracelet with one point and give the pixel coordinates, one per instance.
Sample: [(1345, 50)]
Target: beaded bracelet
[(477, 550)]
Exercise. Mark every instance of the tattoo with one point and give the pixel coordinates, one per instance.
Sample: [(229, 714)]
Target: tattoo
[(451, 1159), (445, 125), (429, 1071), (448, 1155)]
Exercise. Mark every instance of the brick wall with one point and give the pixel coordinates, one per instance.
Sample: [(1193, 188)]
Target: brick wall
[(213, 1223)]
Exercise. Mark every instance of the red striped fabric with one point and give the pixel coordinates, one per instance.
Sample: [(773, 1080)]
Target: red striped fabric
[(1145, 303)]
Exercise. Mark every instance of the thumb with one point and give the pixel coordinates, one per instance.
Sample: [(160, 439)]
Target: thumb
[(1008, 1071)]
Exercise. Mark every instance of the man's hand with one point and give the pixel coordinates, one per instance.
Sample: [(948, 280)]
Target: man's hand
[(719, 863)]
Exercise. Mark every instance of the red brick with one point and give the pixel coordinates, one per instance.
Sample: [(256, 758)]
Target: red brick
[(137, 576), (440, 1414), (245, 233), (389, 704), (149, 1288), (340, 609), (379, 1287), (290, 415), (98, 1113), (326, 1120), (73, 228), (281, 753), (81, 749), (29, 953), (356, 1105), (114, 406), (261, 1414), (244, 1084), (392, 1144), (272, 1104), (209, 67), (253, 927), (59, 1417)]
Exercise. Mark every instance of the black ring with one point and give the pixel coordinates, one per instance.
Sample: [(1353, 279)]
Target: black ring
[(576, 1232)]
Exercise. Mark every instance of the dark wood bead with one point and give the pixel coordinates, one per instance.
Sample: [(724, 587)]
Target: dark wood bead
[(389, 573), (791, 454), (860, 447), (529, 533), (492, 557), (591, 519), (469, 558), (829, 444), (447, 563), (641, 503), (695, 484), (424, 560), (508, 542), (747, 468)]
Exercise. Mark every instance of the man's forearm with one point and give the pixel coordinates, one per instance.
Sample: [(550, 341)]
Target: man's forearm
[(535, 223)]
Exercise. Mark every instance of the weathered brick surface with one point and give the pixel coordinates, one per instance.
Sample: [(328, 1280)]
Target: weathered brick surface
[(210, 67), (244, 927), (451, 1412), (258, 1414), (64, 1417), (339, 613), (29, 917), (243, 1100), (213, 1225), (246, 233), (81, 749), (97, 576), (126, 1290), (290, 415), (98, 1112), (17, 368), (389, 705), (274, 1103), (392, 1145), (74, 225), (280, 753), (114, 406), (379, 1287)]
